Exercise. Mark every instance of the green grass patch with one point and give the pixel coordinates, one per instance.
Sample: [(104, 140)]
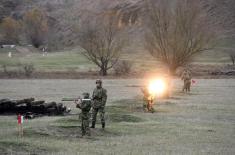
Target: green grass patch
[(18, 146), (114, 118), (73, 60)]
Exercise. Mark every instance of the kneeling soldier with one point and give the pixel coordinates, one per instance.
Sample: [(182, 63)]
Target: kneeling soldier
[(85, 106), (147, 100)]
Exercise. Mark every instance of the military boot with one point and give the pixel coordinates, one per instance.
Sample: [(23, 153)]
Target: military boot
[(103, 125), (93, 125)]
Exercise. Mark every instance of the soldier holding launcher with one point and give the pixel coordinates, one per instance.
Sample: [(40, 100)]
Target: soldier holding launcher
[(85, 106)]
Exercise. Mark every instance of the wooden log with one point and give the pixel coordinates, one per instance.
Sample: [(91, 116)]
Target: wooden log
[(33, 103), (26, 100), (49, 105), (6, 105), (39, 109), (29, 105), (37, 102), (52, 111), (60, 108)]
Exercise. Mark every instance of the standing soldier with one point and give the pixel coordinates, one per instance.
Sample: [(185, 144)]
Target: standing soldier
[(99, 98), (188, 80), (85, 105), (186, 77)]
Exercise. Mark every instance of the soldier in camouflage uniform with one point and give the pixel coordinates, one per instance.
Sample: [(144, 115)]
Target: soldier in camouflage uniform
[(186, 77), (85, 106), (99, 98), (147, 100)]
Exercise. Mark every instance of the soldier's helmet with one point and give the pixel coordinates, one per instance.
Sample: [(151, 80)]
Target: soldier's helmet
[(86, 95), (98, 81)]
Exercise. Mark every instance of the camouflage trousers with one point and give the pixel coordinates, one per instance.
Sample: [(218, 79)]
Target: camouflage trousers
[(145, 103), (147, 107), (187, 85), (85, 124), (94, 114)]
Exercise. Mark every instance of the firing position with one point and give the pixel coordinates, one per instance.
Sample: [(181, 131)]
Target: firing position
[(85, 105), (147, 100)]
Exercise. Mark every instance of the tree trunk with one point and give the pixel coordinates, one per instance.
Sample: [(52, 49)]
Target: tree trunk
[(172, 70), (103, 71)]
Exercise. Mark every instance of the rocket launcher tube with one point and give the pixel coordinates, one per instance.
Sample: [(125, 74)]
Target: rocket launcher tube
[(74, 99)]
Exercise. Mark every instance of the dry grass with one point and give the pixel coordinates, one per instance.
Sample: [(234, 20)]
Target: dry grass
[(201, 122)]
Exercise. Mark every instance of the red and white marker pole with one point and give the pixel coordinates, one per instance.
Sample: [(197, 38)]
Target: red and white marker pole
[(20, 120), (194, 82)]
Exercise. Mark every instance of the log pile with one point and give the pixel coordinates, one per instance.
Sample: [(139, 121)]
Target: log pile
[(29, 106)]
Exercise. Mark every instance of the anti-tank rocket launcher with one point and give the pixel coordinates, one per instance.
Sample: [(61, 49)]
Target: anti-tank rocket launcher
[(75, 99)]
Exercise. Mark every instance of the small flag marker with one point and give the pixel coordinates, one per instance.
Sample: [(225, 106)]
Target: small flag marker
[(194, 82), (20, 120)]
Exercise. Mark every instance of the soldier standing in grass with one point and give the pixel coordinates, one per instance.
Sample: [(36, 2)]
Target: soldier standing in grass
[(99, 99), (186, 77), (85, 105)]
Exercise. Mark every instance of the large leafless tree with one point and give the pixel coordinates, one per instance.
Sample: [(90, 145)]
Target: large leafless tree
[(176, 32), (102, 42)]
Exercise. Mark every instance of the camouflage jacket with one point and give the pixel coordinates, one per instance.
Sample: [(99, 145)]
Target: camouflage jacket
[(99, 97), (146, 94), (85, 106), (186, 76)]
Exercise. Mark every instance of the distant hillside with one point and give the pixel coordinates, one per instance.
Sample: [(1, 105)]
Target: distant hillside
[(64, 15), (223, 12)]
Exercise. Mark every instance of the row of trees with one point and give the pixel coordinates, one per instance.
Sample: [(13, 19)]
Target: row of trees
[(33, 27), (175, 33)]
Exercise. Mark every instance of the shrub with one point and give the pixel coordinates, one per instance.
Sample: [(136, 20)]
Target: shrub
[(36, 27), (28, 69), (6, 71), (11, 30), (123, 67)]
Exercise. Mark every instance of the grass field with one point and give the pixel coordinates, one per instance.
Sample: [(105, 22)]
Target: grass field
[(202, 122), (73, 60)]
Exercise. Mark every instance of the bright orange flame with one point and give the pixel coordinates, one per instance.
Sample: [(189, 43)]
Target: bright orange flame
[(157, 87)]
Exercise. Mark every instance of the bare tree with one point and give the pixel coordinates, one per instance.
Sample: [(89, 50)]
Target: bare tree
[(176, 32), (102, 42), (36, 27)]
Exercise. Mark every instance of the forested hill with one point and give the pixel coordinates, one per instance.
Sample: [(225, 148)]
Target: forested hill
[(63, 15)]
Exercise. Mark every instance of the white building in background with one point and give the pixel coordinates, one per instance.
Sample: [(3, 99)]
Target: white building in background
[(8, 46)]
